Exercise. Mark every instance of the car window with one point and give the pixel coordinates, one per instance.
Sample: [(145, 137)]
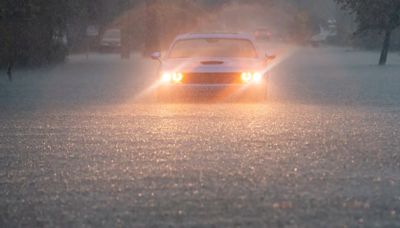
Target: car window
[(112, 34), (234, 48)]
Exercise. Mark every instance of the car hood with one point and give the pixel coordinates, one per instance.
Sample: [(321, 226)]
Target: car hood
[(203, 65)]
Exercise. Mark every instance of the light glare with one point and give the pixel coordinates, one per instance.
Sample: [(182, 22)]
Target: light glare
[(171, 77), (166, 77), (177, 77), (257, 77), (246, 76)]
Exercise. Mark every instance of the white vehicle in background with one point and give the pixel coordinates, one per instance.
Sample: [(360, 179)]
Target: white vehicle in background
[(325, 34), (111, 40), (217, 64)]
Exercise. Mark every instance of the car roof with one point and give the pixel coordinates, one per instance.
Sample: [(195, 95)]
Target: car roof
[(189, 36)]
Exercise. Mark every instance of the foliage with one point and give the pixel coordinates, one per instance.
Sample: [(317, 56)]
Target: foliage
[(382, 16), (376, 15), (155, 24), (35, 32), (32, 31)]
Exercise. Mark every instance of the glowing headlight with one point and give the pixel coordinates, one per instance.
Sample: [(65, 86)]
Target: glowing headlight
[(166, 77), (177, 77), (171, 77), (257, 77), (248, 77)]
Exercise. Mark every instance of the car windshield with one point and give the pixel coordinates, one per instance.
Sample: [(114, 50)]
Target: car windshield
[(233, 48), (112, 34)]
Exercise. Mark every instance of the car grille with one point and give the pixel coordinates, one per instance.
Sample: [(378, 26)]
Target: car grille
[(211, 78)]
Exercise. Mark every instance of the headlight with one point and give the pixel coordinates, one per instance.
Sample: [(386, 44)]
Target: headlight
[(177, 77), (166, 77), (171, 77), (248, 77), (257, 77)]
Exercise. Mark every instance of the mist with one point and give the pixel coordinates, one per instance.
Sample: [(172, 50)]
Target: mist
[(280, 113)]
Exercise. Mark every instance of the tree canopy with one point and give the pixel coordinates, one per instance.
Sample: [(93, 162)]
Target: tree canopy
[(382, 16), (36, 32)]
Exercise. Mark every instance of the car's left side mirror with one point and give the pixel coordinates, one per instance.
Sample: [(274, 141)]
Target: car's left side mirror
[(156, 56)]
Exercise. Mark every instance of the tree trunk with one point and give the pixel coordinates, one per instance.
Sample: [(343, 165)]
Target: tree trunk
[(385, 48), (9, 69), (125, 43), (152, 42)]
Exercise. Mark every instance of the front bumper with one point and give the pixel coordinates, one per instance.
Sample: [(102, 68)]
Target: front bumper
[(212, 91)]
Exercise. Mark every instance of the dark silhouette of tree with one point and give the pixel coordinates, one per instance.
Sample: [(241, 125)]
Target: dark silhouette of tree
[(152, 36), (382, 16), (32, 32)]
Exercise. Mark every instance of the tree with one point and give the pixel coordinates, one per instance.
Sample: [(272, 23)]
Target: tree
[(37, 32), (164, 20), (382, 16), (31, 32), (152, 42)]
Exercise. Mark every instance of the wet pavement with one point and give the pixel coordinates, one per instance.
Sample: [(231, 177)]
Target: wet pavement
[(77, 148)]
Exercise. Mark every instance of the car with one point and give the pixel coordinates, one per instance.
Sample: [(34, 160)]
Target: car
[(325, 35), (111, 41), (223, 65)]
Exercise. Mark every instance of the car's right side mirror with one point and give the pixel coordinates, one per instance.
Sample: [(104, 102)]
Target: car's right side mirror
[(270, 57), (156, 55)]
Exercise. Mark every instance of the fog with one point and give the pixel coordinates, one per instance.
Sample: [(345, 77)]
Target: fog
[(315, 34), (128, 75), (160, 22), (86, 141)]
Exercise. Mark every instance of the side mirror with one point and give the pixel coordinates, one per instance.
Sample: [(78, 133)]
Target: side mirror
[(270, 57), (156, 56)]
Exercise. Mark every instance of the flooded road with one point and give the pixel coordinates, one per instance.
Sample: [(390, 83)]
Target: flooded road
[(77, 148)]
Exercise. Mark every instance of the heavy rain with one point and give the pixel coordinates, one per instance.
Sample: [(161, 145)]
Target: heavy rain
[(90, 137)]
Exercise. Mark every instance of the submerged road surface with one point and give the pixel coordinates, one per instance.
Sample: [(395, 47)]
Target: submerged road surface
[(78, 150)]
